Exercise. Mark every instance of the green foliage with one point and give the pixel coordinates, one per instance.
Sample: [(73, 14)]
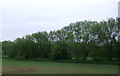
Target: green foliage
[(25, 47), (59, 51), (19, 58), (7, 47), (46, 48), (75, 49), (79, 40)]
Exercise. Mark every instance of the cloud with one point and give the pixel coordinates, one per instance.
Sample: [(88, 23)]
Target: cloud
[(21, 17)]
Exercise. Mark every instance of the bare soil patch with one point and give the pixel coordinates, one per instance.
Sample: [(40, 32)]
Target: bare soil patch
[(17, 70)]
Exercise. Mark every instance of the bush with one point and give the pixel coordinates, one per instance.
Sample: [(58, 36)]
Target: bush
[(19, 58)]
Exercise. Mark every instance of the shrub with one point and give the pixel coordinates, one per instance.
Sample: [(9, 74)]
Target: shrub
[(19, 58)]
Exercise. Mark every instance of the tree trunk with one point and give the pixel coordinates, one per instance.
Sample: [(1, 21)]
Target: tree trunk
[(85, 55)]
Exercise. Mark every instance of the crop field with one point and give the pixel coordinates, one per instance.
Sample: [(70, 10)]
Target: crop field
[(36, 67)]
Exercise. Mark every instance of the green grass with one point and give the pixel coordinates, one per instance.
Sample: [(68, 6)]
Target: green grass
[(61, 68)]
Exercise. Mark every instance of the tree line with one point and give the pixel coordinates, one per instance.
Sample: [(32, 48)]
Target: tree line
[(79, 41)]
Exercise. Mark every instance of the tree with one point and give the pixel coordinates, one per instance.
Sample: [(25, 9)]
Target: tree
[(40, 39), (7, 47), (46, 49), (25, 48), (74, 50), (59, 51), (79, 40)]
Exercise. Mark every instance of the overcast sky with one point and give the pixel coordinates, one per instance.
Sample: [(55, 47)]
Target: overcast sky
[(21, 17)]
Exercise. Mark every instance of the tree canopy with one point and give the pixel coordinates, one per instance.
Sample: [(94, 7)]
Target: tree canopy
[(80, 40)]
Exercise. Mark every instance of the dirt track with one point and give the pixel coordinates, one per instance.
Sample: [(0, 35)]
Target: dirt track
[(17, 70)]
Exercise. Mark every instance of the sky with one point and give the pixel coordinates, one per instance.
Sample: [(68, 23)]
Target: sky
[(22, 17)]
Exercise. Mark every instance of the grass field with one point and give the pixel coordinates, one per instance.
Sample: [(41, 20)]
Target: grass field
[(36, 67)]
